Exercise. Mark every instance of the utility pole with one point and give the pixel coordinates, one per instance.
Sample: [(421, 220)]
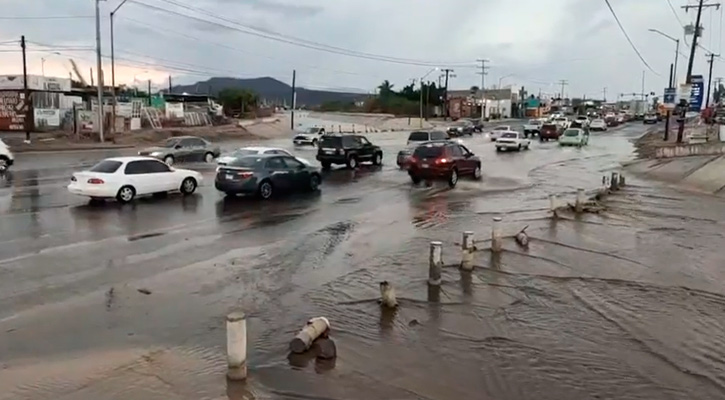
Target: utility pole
[(26, 93), (709, 78), (294, 98), (563, 83), (113, 70), (688, 78), (445, 94), (170, 84), (642, 94), (604, 94), (483, 74), (149, 92), (669, 113), (99, 66)]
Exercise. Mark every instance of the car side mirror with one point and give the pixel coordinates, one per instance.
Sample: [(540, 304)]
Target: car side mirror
[(177, 147), (301, 166)]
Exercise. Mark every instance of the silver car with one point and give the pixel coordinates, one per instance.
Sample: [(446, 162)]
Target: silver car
[(183, 149)]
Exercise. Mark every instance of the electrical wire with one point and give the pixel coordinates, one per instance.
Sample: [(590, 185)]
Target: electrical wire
[(271, 36), (616, 18), (674, 12), (48, 17)]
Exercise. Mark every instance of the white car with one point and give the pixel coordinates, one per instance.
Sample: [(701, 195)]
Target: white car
[(496, 132), (511, 140), (224, 159), (598, 125), (309, 136), (533, 127), (6, 157), (563, 122), (125, 178)]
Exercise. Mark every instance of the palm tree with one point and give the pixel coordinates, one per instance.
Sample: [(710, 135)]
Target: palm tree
[(385, 88)]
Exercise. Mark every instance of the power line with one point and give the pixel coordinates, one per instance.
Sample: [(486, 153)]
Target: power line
[(47, 17), (674, 12), (295, 42), (616, 18)]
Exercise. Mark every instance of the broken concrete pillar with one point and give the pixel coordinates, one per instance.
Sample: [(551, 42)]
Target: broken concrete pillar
[(580, 200), (496, 238), (435, 263), (237, 346), (311, 331), (467, 251), (387, 295)]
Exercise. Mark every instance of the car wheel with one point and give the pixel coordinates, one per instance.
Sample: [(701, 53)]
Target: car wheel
[(352, 162), (477, 172), (314, 143), (326, 165), (3, 164), (377, 159), (209, 158), (519, 147), (126, 194), (453, 179), (541, 139), (415, 179), (169, 160), (498, 148), (188, 186), (314, 182), (265, 190)]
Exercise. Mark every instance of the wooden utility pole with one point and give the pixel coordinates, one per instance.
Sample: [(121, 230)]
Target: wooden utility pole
[(294, 99), (483, 74), (563, 84), (688, 78), (709, 78), (445, 94), (170, 84), (26, 93), (149, 92)]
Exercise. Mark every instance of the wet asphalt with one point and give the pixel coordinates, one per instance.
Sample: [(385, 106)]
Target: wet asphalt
[(129, 301)]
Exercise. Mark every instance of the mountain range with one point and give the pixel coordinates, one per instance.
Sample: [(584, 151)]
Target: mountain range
[(268, 89)]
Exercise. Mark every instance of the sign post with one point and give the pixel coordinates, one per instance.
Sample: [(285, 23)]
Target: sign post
[(15, 107), (696, 93)]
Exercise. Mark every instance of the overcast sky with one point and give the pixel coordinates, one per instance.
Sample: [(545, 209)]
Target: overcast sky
[(532, 43)]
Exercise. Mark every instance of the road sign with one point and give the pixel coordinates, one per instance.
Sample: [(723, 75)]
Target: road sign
[(685, 92), (14, 111), (669, 98), (696, 95)]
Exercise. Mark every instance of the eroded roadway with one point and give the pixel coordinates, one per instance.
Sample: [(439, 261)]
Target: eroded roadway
[(120, 302)]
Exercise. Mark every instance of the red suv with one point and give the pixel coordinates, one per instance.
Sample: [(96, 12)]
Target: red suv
[(549, 131), (443, 160)]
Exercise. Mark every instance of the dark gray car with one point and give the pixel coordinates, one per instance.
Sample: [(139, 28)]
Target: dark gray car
[(183, 149), (266, 175)]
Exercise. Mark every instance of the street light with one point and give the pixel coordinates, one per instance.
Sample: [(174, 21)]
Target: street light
[(113, 70), (502, 78), (421, 93), (673, 79)]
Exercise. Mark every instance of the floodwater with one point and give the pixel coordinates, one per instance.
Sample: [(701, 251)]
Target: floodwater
[(128, 302)]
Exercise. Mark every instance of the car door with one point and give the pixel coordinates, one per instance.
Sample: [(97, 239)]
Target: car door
[(299, 175), (197, 149), (279, 173), (366, 149), (140, 174), (163, 177), (455, 153), (182, 151)]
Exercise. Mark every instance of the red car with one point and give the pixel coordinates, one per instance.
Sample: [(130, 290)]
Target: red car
[(549, 132), (443, 160)]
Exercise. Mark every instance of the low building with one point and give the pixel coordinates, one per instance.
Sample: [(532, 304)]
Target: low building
[(498, 103)]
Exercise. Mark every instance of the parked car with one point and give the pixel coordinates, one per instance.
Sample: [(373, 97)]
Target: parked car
[(310, 136), (495, 133), (580, 121), (650, 119), (512, 141), (6, 157), (533, 127), (443, 159), (477, 124), (460, 128), (183, 149), (574, 137), (266, 175), (348, 150), (125, 178), (550, 131), (563, 122), (250, 151), (414, 139), (598, 125)]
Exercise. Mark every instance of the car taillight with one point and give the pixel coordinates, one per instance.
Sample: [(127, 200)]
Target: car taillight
[(413, 159), (244, 174), (441, 161), (96, 181)]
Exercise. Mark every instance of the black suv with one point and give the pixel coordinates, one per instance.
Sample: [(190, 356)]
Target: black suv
[(349, 150)]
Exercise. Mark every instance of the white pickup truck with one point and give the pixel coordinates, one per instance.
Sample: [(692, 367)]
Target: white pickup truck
[(6, 157), (533, 127)]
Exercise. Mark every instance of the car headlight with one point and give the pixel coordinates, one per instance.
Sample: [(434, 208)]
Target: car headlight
[(156, 154), (460, 129)]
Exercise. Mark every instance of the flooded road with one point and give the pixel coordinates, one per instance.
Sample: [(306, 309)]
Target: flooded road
[(120, 302)]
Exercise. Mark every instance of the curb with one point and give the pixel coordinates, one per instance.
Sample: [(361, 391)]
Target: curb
[(69, 149)]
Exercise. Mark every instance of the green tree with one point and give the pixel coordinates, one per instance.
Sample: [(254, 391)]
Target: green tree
[(236, 100), (386, 89)]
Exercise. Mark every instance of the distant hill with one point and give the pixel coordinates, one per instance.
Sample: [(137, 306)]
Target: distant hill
[(268, 89)]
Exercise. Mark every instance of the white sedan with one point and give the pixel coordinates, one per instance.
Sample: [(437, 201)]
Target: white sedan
[(253, 151), (495, 133), (512, 140), (125, 178)]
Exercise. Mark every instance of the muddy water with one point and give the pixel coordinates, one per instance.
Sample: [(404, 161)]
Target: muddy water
[(129, 302)]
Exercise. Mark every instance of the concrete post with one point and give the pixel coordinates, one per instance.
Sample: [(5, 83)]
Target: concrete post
[(387, 295), (353, 128), (621, 181), (580, 200), (496, 240), (614, 182), (311, 331), (435, 263), (467, 250), (237, 346), (339, 128)]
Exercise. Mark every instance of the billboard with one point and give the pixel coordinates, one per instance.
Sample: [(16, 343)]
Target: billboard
[(14, 111), (697, 92), (35, 82), (669, 98)]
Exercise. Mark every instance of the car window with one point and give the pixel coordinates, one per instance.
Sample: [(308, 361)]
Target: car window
[(571, 132), (465, 149), (169, 143), (244, 152), (138, 167), (510, 135), (548, 126), (271, 152), (106, 167), (196, 142), (438, 135), (276, 163), (362, 140), (501, 128), (428, 151), (292, 163), (246, 162), (331, 141), (157, 166), (418, 136), (456, 151), (186, 142), (349, 141)]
